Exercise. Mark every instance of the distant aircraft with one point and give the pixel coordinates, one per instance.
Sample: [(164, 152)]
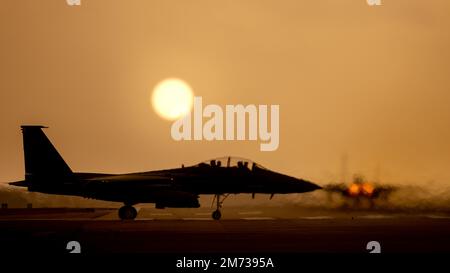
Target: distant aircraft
[(47, 172), (360, 190)]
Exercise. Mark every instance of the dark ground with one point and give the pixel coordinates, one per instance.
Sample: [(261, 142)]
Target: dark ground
[(254, 230)]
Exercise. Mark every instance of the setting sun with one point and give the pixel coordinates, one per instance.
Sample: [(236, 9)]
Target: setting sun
[(172, 98)]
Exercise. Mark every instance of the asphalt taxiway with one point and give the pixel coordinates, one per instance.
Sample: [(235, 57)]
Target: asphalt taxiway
[(252, 230)]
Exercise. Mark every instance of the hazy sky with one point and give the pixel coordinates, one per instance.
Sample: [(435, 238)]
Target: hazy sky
[(369, 82)]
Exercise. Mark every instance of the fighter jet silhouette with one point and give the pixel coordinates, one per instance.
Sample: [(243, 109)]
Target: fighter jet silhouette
[(47, 172)]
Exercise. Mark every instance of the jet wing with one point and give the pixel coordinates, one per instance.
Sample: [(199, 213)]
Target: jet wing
[(132, 178), (147, 188)]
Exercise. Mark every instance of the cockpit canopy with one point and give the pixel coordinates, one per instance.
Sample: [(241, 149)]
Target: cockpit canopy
[(231, 162)]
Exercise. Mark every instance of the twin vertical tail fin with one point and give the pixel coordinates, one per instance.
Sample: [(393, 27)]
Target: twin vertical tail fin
[(43, 164)]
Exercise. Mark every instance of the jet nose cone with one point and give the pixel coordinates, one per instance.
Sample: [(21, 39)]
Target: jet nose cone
[(308, 185), (313, 186)]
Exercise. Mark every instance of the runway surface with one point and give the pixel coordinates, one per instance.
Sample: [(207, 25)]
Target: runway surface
[(242, 230)]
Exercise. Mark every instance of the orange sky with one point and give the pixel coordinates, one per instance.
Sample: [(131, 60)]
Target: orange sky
[(369, 82)]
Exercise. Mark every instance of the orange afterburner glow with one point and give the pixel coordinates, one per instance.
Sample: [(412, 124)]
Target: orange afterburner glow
[(367, 189), (354, 189)]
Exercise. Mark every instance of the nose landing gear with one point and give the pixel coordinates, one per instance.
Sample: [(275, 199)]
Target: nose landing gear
[(216, 215)]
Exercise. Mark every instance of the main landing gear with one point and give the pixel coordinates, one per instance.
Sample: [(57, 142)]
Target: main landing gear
[(216, 215), (127, 212)]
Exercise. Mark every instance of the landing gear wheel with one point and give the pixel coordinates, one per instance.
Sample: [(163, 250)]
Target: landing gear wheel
[(127, 213), (216, 215)]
